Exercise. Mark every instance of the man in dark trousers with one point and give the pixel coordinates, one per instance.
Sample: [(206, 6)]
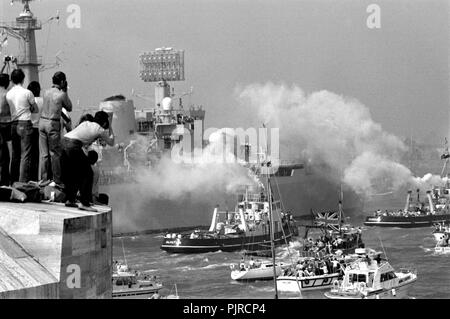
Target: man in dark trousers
[(22, 104), (55, 99), (5, 130), (76, 167)]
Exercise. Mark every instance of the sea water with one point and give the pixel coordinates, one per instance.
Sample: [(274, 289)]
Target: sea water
[(207, 275)]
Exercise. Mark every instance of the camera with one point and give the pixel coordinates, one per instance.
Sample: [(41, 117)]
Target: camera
[(10, 58)]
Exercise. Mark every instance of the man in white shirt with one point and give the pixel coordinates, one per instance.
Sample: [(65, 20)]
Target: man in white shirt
[(76, 169), (22, 104), (5, 130)]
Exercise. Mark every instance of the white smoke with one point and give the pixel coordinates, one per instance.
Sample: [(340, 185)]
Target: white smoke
[(335, 130), (172, 194), (215, 169)]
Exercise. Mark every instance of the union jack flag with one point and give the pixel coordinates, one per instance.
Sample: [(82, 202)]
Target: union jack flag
[(329, 219)]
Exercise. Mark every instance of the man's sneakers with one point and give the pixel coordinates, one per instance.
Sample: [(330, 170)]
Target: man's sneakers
[(87, 208)]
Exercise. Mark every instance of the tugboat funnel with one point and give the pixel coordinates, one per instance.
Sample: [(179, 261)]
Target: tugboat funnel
[(430, 201), (408, 199), (214, 220)]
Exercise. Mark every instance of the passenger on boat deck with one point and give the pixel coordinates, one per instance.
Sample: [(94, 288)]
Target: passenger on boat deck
[(242, 264), (252, 263)]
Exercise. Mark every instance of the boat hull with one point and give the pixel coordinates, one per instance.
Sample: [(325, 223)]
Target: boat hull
[(301, 284), (406, 222), (137, 292), (399, 292), (251, 243), (442, 250), (265, 273)]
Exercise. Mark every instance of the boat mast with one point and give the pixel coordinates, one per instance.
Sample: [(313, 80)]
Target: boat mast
[(341, 195), (272, 222), (272, 227)]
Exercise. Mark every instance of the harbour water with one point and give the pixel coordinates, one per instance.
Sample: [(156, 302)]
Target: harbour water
[(207, 275)]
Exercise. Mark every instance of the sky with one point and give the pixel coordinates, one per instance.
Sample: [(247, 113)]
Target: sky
[(400, 71)]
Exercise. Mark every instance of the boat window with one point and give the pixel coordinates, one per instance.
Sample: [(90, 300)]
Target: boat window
[(387, 276), (357, 278)]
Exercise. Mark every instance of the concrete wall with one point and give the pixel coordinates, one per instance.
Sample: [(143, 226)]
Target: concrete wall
[(41, 246)]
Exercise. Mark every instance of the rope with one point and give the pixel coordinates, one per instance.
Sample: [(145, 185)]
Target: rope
[(384, 251)]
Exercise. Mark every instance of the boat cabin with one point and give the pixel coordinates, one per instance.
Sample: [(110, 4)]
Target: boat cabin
[(369, 273), (251, 216)]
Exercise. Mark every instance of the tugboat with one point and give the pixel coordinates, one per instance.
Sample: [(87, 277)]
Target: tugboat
[(415, 215), (370, 277), (247, 228)]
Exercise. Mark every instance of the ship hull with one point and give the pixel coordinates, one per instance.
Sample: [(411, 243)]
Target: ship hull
[(406, 222), (223, 243)]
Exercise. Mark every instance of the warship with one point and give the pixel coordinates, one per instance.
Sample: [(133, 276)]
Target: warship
[(144, 135), (297, 184)]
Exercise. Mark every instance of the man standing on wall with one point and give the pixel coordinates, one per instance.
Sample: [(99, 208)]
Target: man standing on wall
[(5, 130), (55, 99), (22, 104)]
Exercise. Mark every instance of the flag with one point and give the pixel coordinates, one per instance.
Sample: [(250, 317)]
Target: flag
[(329, 219)]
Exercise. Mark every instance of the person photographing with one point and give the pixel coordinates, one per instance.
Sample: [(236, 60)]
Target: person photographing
[(76, 167)]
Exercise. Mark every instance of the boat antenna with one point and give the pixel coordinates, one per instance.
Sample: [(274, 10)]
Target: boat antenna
[(341, 195), (267, 163), (123, 250), (382, 246)]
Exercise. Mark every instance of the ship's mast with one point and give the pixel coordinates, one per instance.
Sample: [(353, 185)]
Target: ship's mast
[(272, 235), (268, 164), (23, 30)]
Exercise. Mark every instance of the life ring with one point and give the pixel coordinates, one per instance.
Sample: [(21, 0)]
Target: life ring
[(336, 284), (306, 281), (325, 280)]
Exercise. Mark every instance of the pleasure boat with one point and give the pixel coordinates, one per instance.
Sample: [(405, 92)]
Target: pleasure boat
[(257, 270), (131, 284), (370, 277)]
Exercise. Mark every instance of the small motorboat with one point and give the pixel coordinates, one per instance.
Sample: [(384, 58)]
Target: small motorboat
[(370, 277), (129, 284), (259, 270), (441, 232)]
